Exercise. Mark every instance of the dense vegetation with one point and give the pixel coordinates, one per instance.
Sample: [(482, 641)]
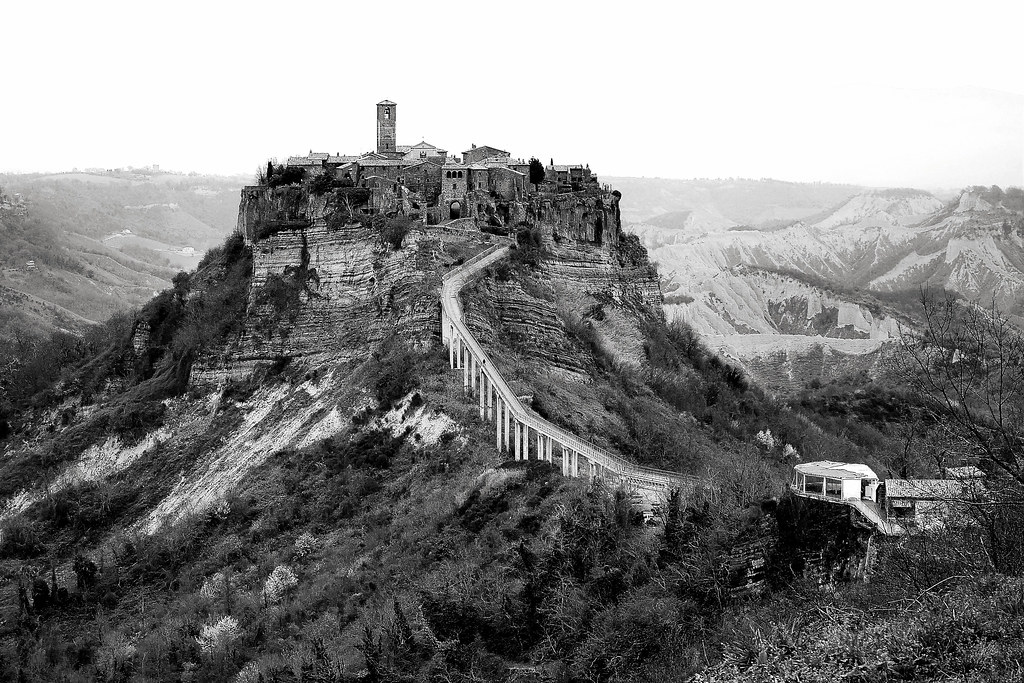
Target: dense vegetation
[(400, 548)]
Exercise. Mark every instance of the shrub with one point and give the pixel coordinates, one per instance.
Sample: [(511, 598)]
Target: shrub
[(322, 183), (286, 175), (218, 636), (279, 583), (397, 375), (394, 230)]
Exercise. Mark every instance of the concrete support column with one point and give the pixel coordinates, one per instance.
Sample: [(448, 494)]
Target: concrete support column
[(515, 440), (465, 370), (551, 450), (490, 398), (481, 390), (458, 352), (540, 446), (497, 424), (451, 353), (507, 419)]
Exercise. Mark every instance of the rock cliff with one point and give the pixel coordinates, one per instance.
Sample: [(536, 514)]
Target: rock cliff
[(582, 270), (330, 281)]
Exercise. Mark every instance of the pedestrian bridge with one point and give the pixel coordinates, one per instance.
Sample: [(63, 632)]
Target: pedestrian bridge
[(516, 427)]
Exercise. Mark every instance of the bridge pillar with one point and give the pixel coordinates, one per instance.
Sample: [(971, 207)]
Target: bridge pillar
[(507, 419), (551, 450), (472, 372), (497, 423), (490, 398), (575, 464), (515, 440), (481, 390), (451, 355), (540, 446), (465, 369)]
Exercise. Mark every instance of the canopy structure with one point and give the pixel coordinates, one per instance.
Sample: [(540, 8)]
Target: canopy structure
[(835, 480)]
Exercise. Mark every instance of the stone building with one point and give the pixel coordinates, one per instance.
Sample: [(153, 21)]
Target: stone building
[(435, 184), (475, 154), (387, 113)]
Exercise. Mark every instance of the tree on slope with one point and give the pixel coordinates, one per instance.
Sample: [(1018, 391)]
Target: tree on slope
[(969, 367)]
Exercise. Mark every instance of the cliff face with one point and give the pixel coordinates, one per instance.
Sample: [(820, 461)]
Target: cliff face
[(325, 283), (328, 280), (586, 272)]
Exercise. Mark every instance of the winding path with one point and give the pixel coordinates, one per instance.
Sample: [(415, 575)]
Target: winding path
[(515, 424)]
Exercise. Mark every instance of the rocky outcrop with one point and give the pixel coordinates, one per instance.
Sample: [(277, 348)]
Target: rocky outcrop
[(587, 273), (328, 281)]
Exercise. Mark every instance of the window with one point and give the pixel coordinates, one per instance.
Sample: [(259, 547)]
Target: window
[(453, 187), (460, 174), (387, 113)]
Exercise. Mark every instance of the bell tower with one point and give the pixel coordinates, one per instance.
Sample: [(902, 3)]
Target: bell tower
[(386, 114)]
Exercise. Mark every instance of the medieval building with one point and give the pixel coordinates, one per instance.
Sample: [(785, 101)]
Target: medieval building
[(425, 180)]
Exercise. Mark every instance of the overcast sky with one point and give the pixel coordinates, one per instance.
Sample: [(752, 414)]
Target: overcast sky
[(925, 94)]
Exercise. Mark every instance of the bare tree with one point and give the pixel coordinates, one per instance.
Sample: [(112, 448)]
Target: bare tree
[(968, 368)]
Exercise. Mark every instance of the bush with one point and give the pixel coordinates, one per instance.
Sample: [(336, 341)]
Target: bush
[(287, 175), (397, 375), (322, 183), (394, 230)]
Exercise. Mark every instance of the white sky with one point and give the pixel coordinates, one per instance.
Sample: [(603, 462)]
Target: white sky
[(925, 94)]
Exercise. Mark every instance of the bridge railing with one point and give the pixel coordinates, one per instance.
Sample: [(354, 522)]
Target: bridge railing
[(452, 285)]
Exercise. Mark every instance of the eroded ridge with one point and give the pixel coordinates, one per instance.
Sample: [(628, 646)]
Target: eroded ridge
[(515, 425)]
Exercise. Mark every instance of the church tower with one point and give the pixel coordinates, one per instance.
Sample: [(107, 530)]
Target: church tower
[(386, 111)]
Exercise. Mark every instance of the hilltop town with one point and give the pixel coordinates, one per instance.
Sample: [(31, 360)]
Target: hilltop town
[(424, 181)]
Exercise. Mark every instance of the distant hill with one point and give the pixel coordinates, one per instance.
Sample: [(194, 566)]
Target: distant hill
[(852, 270), (742, 201), (76, 247)]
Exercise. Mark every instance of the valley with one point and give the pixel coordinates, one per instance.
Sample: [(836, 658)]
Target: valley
[(77, 247), (855, 270)]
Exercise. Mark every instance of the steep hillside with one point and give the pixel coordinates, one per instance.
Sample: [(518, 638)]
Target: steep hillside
[(77, 247), (271, 469)]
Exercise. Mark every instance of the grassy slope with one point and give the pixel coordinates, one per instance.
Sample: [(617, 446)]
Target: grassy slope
[(396, 547)]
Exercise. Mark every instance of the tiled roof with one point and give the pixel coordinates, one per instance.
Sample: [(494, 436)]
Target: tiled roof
[(929, 489), (501, 152), (402, 148), (965, 472), (371, 163), (318, 155), (343, 159), (424, 162), (386, 102), (507, 169), (303, 161)]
